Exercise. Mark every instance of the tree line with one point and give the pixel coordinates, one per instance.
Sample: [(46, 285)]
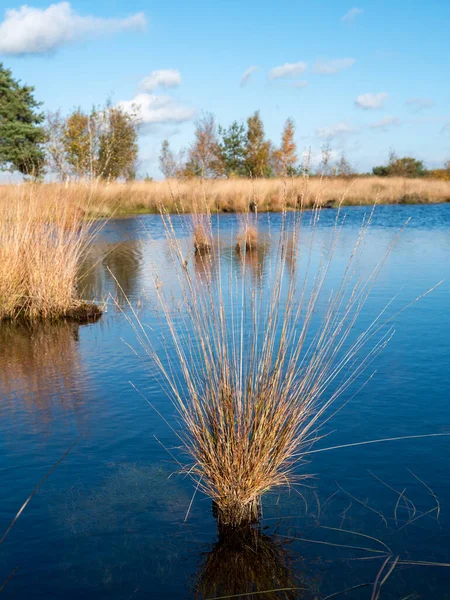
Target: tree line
[(103, 144), (98, 144), (236, 151)]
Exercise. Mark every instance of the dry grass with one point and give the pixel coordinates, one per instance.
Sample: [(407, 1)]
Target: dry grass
[(201, 235), (41, 243), (237, 195), (247, 240), (254, 365)]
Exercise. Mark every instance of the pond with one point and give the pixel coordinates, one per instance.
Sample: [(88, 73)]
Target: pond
[(116, 520)]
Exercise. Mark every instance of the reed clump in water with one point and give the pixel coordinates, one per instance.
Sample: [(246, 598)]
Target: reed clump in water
[(41, 245), (202, 238), (247, 240), (254, 367)]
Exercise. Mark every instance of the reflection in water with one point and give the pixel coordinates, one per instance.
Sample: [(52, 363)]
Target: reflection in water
[(253, 259), (123, 261), (291, 254), (112, 269), (245, 563), (39, 363), (203, 265)]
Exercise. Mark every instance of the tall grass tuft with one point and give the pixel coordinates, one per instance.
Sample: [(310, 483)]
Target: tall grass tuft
[(247, 240), (201, 235), (254, 368), (41, 245)]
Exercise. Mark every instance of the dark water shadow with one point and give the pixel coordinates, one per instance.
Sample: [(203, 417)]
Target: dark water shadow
[(248, 563)]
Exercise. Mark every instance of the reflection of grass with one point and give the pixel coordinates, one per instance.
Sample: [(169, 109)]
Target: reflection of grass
[(39, 361), (246, 563)]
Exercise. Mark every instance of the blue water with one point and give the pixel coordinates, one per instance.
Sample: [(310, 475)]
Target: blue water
[(110, 521)]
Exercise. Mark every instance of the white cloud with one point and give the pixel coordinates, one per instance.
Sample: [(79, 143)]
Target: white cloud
[(351, 15), (288, 70), (313, 159), (330, 67), (371, 101), (28, 30), (419, 104), (337, 130), (246, 76), (300, 84), (152, 109), (385, 123), (162, 78)]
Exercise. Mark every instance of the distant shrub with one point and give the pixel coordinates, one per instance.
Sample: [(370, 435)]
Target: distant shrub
[(442, 174), (401, 167)]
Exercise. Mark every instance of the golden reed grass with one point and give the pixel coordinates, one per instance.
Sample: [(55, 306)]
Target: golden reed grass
[(237, 195), (42, 241), (255, 365), (247, 240)]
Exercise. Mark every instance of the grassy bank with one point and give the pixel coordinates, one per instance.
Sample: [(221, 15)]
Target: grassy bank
[(42, 241), (234, 195)]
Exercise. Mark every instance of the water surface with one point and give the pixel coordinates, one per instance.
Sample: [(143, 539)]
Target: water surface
[(110, 521)]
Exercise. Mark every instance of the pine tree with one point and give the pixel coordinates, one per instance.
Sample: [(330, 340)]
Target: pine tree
[(232, 149), (21, 132)]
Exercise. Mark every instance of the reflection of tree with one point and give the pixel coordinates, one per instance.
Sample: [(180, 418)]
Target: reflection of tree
[(111, 269), (39, 362), (123, 260), (244, 563)]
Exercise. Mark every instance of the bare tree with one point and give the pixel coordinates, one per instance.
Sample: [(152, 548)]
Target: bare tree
[(55, 149), (168, 161), (204, 158)]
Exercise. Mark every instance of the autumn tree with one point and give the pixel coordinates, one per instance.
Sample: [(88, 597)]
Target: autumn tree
[(204, 159), (79, 139), (21, 132), (258, 149), (100, 144), (286, 155), (117, 145), (232, 149)]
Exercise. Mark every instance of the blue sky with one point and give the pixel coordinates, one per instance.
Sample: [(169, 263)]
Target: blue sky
[(365, 77)]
